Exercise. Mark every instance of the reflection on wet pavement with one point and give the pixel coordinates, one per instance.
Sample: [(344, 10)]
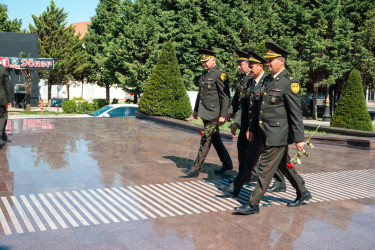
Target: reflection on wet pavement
[(116, 183)]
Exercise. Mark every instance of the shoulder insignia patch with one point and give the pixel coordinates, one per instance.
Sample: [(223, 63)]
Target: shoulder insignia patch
[(223, 76), (295, 87)]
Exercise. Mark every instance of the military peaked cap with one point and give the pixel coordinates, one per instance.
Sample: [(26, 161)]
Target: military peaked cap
[(206, 54), (241, 55), (275, 50), (256, 58)]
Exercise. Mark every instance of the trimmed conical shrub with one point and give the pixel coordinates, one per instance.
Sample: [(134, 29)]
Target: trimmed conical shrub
[(165, 93), (351, 111)]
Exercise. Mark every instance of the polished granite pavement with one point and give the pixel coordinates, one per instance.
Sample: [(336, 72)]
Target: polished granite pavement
[(116, 183)]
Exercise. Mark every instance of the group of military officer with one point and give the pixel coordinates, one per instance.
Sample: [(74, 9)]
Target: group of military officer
[(269, 117)]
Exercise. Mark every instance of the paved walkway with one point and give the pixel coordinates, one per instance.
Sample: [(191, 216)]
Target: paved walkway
[(116, 184)]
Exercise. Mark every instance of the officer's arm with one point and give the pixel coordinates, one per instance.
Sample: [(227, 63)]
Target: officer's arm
[(293, 105), (197, 102), (224, 95), (237, 120)]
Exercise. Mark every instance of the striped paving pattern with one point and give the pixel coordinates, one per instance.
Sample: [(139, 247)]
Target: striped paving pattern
[(52, 211)]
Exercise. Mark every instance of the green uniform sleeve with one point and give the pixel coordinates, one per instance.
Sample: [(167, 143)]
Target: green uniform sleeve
[(223, 92), (293, 105)]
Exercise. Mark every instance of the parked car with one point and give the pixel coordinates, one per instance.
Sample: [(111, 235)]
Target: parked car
[(114, 110), (57, 102)]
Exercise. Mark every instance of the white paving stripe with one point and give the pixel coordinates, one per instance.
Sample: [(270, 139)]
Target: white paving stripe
[(18, 215), (137, 197), (12, 215), (166, 199), (4, 223), (71, 208), (83, 210), (62, 209), (117, 205), (111, 208), (23, 214), (43, 212), (53, 211), (132, 202), (150, 200), (33, 214), (159, 200), (100, 216), (105, 211)]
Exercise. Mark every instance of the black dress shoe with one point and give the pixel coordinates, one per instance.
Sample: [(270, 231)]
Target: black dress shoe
[(276, 189), (189, 173), (247, 209), (228, 190), (223, 169), (297, 202)]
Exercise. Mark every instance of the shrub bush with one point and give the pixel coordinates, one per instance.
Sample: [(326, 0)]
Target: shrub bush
[(69, 106), (84, 107), (98, 103), (165, 93), (114, 101), (351, 111)]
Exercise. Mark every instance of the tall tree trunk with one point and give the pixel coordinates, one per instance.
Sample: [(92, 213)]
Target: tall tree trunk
[(314, 109), (67, 89), (107, 97), (27, 75), (49, 92), (135, 98)]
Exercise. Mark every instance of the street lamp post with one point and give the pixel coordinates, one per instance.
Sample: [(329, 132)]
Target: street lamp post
[(327, 109)]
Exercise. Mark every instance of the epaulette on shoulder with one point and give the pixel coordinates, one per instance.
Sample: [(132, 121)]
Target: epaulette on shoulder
[(219, 69), (290, 77)]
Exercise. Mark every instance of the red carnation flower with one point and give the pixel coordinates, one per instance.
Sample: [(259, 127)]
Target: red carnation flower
[(289, 165), (201, 132)]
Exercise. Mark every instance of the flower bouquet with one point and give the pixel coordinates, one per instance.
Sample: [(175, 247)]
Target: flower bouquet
[(297, 158), (212, 128)]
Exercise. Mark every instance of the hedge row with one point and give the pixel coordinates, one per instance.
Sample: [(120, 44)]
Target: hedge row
[(71, 106)]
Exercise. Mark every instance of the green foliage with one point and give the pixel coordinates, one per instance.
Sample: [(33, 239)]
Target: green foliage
[(78, 98), (351, 111), (69, 106), (55, 40), (7, 25), (84, 107), (98, 103), (165, 93), (115, 101), (98, 39)]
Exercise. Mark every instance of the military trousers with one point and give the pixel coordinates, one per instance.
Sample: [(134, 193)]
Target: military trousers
[(242, 144), (3, 116), (271, 159), (204, 147), (253, 151)]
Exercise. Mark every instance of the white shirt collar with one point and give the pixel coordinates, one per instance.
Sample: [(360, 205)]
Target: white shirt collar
[(278, 73), (259, 77)]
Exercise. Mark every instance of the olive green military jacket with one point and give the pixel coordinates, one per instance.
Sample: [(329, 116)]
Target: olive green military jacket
[(240, 93), (213, 96), (279, 114), (5, 92), (249, 105)]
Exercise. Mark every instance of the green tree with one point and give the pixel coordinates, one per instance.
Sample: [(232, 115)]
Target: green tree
[(59, 42), (27, 75), (351, 111), (165, 93), (7, 25), (97, 39)]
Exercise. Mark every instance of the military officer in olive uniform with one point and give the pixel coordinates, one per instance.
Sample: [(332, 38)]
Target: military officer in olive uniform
[(5, 98), (253, 148), (238, 98), (212, 106), (279, 121)]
